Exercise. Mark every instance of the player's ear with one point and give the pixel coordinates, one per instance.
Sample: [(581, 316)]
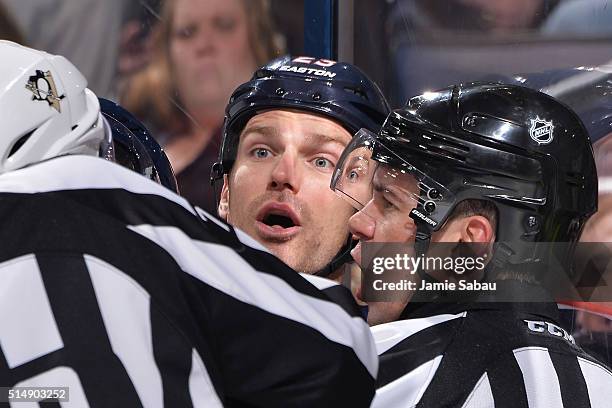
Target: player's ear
[(223, 209), (476, 228)]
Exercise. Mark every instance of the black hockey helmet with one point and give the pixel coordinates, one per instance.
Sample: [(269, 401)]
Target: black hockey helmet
[(337, 90), (586, 90), (135, 148), (518, 148)]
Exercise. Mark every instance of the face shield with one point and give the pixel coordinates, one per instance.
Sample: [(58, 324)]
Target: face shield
[(389, 188), (107, 150)]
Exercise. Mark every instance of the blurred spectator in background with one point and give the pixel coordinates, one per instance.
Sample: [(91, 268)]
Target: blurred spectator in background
[(509, 15), (594, 331), (202, 50), (88, 32), (603, 157), (135, 42), (593, 321), (599, 227), (430, 17), (437, 42), (288, 16), (581, 17), (8, 27)]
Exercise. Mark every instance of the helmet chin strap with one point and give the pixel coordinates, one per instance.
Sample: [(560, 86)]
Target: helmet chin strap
[(500, 261), (421, 244), (216, 176), (422, 240), (342, 257)]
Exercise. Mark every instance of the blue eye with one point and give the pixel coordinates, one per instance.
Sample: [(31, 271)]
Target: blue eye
[(261, 153), (354, 174), (322, 162)]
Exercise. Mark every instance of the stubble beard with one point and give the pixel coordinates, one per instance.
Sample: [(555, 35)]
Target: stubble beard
[(305, 252)]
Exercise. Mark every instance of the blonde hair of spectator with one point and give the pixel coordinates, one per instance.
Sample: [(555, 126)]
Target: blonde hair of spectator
[(151, 92)]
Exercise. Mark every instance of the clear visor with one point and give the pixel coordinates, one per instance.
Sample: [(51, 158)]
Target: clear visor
[(378, 182), (107, 150)]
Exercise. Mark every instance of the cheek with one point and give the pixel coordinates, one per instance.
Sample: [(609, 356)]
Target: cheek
[(317, 185), (246, 183), (338, 211), (178, 51), (323, 200), (247, 172), (179, 60), (397, 230)]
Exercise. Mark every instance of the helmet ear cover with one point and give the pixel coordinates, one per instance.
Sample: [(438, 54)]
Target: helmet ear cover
[(135, 148)]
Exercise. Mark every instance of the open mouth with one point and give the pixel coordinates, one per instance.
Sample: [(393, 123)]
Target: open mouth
[(278, 220)]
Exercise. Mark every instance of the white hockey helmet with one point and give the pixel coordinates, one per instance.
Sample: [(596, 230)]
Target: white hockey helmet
[(46, 109)]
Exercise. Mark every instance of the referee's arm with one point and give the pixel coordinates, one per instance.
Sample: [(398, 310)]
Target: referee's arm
[(286, 344)]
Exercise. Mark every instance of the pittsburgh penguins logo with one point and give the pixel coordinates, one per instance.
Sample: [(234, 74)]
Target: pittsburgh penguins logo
[(43, 87)]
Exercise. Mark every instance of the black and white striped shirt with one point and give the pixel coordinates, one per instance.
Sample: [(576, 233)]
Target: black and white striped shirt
[(115, 287), (486, 355)]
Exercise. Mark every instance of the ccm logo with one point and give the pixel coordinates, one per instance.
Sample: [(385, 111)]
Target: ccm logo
[(549, 328)]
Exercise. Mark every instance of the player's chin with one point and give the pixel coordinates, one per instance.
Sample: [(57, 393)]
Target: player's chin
[(301, 262), (285, 251)]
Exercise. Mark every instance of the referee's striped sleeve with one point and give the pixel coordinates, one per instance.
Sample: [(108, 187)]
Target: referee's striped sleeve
[(269, 337), (302, 331)]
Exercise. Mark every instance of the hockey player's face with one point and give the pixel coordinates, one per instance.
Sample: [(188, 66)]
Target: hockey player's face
[(278, 190), (210, 52), (385, 217)]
